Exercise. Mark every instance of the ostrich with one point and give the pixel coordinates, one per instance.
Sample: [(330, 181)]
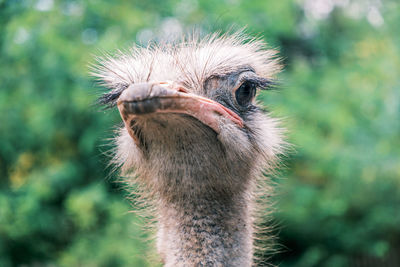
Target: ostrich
[(195, 140)]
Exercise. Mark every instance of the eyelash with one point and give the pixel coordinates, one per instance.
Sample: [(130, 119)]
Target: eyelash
[(259, 83), (109, 99)]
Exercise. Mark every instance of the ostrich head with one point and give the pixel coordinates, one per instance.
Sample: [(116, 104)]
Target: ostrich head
[(195, 138)]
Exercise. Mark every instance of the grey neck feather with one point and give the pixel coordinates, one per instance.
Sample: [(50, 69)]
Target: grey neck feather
[(204, 196), (201, 231)]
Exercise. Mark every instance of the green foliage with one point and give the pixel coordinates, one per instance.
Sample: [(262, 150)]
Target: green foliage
[(340, 198)]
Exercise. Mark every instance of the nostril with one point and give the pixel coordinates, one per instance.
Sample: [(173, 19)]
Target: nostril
[(182, 90), (173, 85)]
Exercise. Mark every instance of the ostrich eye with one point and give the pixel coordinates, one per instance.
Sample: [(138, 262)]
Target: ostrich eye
[(245, 93)]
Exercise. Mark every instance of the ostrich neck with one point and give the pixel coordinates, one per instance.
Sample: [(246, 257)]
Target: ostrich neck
[(203, 194), (201, 230)]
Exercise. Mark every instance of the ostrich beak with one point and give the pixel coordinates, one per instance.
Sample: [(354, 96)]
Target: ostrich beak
[(167, 97)]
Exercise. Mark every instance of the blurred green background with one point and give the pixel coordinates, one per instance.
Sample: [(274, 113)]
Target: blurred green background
[(338, 200)]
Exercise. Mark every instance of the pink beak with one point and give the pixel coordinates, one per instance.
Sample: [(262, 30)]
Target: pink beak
[(167, 97)]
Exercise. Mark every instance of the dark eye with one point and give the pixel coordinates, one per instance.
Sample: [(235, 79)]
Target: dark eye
[(245, 93)]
